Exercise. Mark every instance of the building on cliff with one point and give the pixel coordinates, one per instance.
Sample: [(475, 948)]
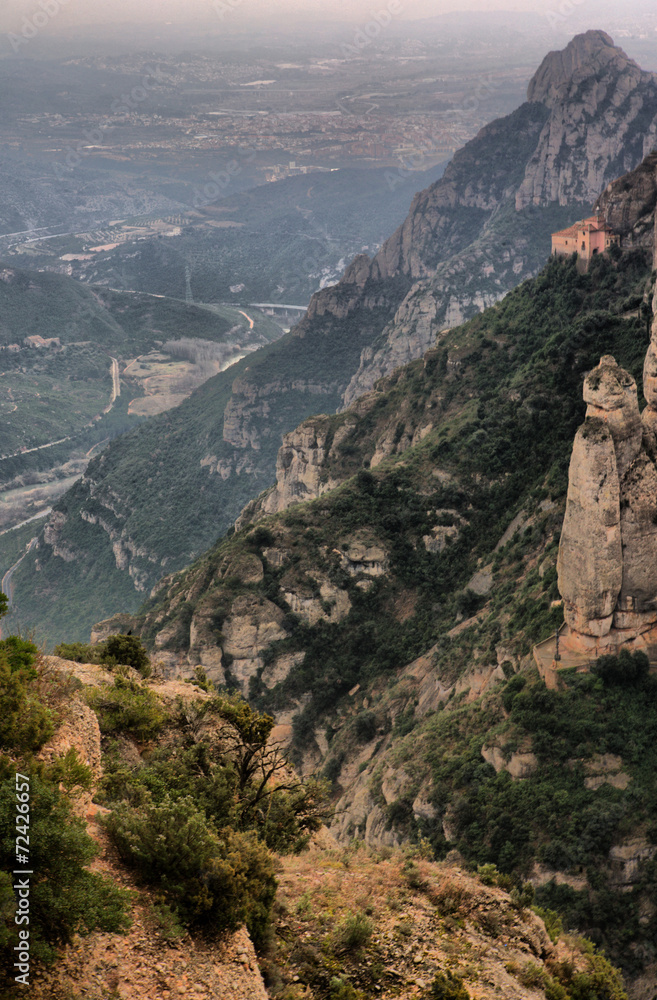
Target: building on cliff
[(585, 238)]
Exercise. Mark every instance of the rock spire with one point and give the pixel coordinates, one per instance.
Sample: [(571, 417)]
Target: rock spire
[(607, 561)]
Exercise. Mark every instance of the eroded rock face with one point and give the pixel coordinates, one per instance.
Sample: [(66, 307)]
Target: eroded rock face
[(607, 561), (590, 553)]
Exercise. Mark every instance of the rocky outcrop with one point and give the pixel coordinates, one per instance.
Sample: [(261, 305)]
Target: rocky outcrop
[(594, 49), (607, 561), (628, 205), (603, 121), (300, 470)]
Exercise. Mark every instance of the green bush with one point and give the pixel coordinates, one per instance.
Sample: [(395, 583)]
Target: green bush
[(351, 933), (21, 654), (127, 650), (79, 652), (213, 880), (116, 650), (25, 722), (624, 668), (447, 986), (553, 922), (66, 898), (341, 989), (127, 707)]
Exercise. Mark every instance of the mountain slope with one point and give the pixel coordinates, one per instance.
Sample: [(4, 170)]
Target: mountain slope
[(462, 246), (388, 623)]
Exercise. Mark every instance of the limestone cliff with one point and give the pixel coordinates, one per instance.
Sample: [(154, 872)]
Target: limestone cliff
[(628, 204), (603, 121), (591, 116)]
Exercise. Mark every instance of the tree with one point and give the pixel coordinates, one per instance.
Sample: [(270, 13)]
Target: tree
[(127, 650), (216, 880)]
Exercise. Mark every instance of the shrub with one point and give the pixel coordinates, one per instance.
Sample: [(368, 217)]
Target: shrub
[(127, 707), (66, 898), (341, 989), (261, 538), (26, 724), (21, 654), (625, 668), (79, 652), (353, 932), (553, 922), (123, 650), (531, 975), (365, 726), (127, 650), (447, 986), (487, 874), (213, 880)]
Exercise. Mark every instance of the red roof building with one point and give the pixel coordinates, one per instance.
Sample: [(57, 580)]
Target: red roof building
[(585, 238)]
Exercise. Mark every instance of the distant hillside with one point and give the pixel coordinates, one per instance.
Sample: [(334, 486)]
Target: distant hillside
[(277, 242)]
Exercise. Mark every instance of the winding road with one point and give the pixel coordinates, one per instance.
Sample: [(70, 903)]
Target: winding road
[(116, 392), (6, 585)]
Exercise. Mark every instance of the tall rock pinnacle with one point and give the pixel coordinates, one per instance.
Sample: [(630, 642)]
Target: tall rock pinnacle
[(607, 561)]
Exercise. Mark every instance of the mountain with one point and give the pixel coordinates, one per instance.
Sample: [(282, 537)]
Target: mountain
[(590, 116), (161, 495), (389, 623)]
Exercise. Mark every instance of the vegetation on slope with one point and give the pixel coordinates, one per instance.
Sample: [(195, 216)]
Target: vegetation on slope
[(158, 485), (65, 897), (499, 401)]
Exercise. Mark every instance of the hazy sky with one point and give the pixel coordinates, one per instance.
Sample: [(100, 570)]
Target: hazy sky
[(57, 16), (92, 11)]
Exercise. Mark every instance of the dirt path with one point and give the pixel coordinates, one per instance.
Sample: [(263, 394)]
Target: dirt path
[(116, 385), (251, 322)]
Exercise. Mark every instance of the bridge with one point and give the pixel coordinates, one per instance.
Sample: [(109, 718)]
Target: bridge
[(276, 305)]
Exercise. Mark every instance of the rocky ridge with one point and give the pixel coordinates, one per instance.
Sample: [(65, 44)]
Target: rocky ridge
[(140, 963)]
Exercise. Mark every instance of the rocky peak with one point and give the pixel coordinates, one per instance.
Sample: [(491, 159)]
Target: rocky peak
[(602, 121), (584, 56)]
